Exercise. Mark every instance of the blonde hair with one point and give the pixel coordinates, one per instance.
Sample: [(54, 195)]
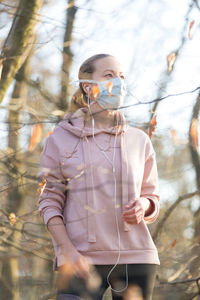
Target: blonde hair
[(79, 98)]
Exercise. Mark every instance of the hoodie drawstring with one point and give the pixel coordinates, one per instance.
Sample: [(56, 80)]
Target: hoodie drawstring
[(90, 192), (124, 176)]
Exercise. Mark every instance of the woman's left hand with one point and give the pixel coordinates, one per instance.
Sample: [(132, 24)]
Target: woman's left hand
[(134, 212)]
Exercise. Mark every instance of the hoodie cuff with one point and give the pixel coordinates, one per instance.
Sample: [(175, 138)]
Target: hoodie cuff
[(155, 211)]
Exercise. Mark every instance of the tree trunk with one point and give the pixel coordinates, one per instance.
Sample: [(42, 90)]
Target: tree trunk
[(193, 136), (67, 55), (15, 196), (19, 42)]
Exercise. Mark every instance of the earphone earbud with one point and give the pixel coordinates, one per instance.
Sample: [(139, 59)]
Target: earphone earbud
[(87, 88)]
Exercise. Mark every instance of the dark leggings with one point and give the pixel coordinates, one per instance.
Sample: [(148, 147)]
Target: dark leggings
[(141, 279)]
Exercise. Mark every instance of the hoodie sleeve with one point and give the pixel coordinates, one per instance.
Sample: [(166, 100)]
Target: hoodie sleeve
[(52, 192), (149, 187)]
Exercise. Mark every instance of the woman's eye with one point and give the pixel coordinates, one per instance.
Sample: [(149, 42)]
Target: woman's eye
[(109, 75)]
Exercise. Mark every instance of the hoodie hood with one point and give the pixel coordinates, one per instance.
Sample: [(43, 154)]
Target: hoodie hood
[(74, 122)]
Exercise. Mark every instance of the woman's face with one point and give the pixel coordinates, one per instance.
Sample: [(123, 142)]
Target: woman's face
[(107, 68)]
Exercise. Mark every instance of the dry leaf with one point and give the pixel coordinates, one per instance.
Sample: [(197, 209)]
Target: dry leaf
[(36, 136), (58, 113), (190, 29), (118, 127), (50, 132), (173, 244), (170, 61), (41, 187), (152, 126), (109, 87), (12, 218), (194, 133), (174, 136), (96, 91)]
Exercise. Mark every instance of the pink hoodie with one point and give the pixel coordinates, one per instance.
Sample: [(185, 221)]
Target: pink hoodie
[(80, 189)]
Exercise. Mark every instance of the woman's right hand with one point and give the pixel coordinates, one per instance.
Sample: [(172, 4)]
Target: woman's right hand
[(79, 267), (82, 267), (86, 270)]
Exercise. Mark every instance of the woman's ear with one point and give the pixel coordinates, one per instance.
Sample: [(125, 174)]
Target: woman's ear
[(86, 88)]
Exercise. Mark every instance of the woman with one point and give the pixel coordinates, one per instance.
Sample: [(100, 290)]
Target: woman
[(100, 191)]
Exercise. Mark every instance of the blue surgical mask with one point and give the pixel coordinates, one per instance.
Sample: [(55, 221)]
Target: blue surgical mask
[(113, 98)]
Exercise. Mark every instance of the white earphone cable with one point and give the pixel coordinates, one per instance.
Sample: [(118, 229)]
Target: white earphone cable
[(115, 198)]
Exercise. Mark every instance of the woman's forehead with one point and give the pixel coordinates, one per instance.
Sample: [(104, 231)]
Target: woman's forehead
[(109, 63)]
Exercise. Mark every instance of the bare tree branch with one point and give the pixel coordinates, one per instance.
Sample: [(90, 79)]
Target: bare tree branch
[(24, 249), (35, 235), (196, 280), (183, 41), (193, 145), (180, 281), (170, 210)]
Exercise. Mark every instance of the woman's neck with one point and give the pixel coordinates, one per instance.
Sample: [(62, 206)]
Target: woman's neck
[(102, 118)]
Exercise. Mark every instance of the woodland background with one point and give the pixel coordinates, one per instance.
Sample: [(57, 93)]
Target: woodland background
[(42, 45)]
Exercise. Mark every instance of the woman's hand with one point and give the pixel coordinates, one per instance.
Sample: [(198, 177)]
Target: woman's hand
[(79, 268), (85, 270), (134, 211), (82, 268)]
